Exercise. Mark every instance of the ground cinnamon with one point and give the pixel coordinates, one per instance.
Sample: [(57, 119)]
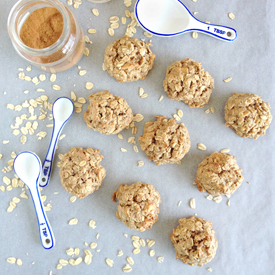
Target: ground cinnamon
[(42, 28)]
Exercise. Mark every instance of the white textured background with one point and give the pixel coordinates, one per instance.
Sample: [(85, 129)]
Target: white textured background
[(245, 230)]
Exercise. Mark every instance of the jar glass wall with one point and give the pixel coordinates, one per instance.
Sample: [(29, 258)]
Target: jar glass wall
[(60, 56)]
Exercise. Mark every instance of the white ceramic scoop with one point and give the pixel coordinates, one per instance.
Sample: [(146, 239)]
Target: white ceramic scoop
[(27, 166), (171, 17), (63, 109)]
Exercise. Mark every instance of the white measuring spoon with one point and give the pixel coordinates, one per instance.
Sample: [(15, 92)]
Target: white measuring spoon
[(27, 166), (63, 109), (171, 17)]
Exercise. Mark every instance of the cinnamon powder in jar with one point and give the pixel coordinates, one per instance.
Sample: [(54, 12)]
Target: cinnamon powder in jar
[(42, 28)]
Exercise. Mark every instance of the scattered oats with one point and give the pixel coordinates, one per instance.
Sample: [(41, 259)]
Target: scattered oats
[(126, 235), (87, 39), (92, 224), (119, 253), (48, 207), (194, 34), (21, 75), (35, 80), (49, 125), (194, 0), (231, 15), (128, 13), (201, 147), (228, 202), (82, 72), (78, 110), (161, 98), (2, 188), (18, 108), (6, 180), (209, 269), (56, 87), (179, 203), (95, 12), (93, 245), (91, 31), (120, 136), (69, 2), (176, 117), (123, 150), (6, 141), (151, 243), (16, 132), (207, 111), (134, 130), (209, 197), (63, 262), (72, 262), (228, 79), (152, 253), (19, 262), (86, 51), (35, 125), (136, 244), (140, 91), (24, 196), (135, 148), (127, 268), (136, 250), (62, 136), (10, 209), (9, 188), (11, 260), (192, 203), (127, 3), (98, 250), (42, 77), (41, 117), (142, 242), (212, 110), (160, 259), (109, 262), (10, 106), (59, 266), (224, 151), (217, 199), (43, 198), (73, 96), (248, 182), (144, 95), (123, 20), (78, 261), (114, 25), (113, 19), (76, 251), (26, 91), (147, 34), (138, 118), (73, 221), (55, 193), (70, 252), (180, 113), (73, 198), (89, 85), (140, 163), (228, 196), (135, 238), (1, 156), (27, 78), (111, 32), (53, 78), (88, 259)]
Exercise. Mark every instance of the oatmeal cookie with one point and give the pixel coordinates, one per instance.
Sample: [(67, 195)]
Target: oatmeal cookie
[(138, 206), (80, 171), (194, 241), (165, 141), (107, 114), (247, 114), (186, 80), (219, 174), (128, 59)]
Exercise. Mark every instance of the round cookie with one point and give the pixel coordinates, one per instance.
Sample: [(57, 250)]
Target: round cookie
[(247, 114), (107, 114), (194, 241), (138, 206), (128, 59), (165, 141), (186, 80), (219, 174), (80, 171)]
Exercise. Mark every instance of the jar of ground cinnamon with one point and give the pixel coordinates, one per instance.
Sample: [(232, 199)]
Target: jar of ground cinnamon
[(46, 34)]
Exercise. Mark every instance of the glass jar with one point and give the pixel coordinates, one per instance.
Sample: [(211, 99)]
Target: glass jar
[(60, 56)]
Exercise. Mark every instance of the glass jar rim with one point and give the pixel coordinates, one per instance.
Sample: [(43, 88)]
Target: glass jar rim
[(16, 38)]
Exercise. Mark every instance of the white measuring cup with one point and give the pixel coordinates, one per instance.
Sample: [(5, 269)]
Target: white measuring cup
[(27, 166), (63, 109), (171, 17)]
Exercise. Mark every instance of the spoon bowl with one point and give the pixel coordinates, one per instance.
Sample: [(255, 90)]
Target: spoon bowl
[(63, 109), (171, 17), (27, 166)]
